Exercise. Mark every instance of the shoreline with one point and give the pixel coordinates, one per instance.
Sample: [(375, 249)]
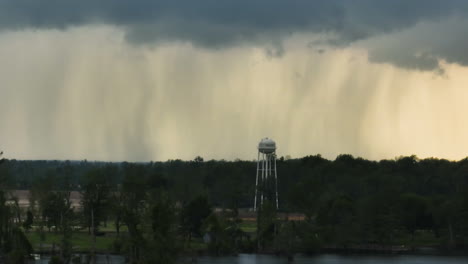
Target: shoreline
[(416, 251)]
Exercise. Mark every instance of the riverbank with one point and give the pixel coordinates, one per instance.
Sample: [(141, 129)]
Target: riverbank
[(110, 243), (327, 254), (333, 259), (362, 250), (393, 250), (299, 259)]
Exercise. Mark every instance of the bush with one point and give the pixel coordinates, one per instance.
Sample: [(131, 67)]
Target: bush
[(117, 245), (16, 257), (55, 260)]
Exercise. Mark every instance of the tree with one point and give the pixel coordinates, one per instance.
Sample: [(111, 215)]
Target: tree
[(5, 176), (266, 225), (18, 247), (446, 212), (52, 206), (40, 191), (162, 246), (13, 242), (12, 239), (134, 205), (95, 193), (192, 216), (338, 217), (414, 212), (377, 218), (27, 224), (223, 233), (285, 241), (198, 159)]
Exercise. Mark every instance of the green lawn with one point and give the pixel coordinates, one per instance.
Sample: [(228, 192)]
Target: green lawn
[(421, 238), (80, 241), (249, 226), (110, 227), (198, 245)]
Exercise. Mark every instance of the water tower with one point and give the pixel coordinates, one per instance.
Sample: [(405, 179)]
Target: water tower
[(266, 183)]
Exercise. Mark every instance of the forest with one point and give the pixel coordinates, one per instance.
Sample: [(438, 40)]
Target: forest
[(157, 212)]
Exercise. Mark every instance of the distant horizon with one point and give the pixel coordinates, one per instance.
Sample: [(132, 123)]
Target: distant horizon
[(237, 159)]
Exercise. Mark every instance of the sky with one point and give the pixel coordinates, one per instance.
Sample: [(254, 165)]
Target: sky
[(116, 80)]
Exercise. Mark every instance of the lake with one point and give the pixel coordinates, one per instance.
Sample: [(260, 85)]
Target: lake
[(335, 259), (320, 259), (100, 259)]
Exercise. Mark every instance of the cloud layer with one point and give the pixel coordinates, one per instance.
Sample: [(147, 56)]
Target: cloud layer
[(86, 93), (223, 23), (115, 80)]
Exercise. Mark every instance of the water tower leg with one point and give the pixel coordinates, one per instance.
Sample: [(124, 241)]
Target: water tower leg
[(256, 183), (263, 178), (276, 183), (267, 176)]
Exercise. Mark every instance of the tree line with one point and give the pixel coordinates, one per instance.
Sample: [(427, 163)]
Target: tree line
[(165, 207)]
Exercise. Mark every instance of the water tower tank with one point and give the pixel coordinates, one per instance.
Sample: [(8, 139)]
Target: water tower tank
[(267, 146)]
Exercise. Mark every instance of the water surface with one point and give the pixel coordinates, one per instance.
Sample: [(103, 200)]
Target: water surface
[(335, 259), (320, 259)]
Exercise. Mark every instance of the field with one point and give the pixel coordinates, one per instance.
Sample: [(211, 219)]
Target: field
[(80, 240)]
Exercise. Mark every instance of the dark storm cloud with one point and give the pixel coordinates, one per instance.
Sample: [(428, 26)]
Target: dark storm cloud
[(220, 23)]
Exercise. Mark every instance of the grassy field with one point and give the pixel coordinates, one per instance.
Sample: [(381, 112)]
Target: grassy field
[(249, 226), (110, 227), (198, 244), (80, 241), (421, 238)]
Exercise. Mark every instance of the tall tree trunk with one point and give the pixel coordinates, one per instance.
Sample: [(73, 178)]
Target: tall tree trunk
[(93, 234), (61, 247), (451, 242), (117, 225)]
